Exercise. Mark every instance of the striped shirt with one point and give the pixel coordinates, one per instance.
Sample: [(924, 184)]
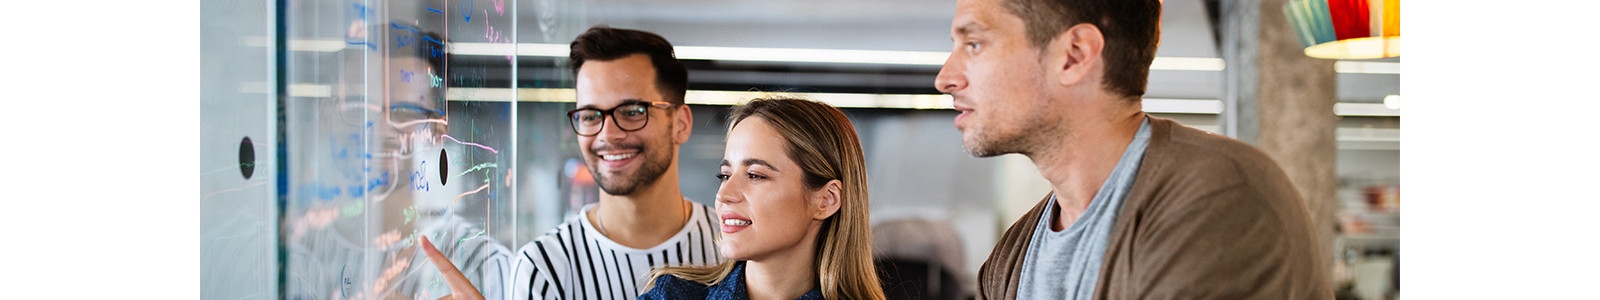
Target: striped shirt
[(482, 260), (574, 261)]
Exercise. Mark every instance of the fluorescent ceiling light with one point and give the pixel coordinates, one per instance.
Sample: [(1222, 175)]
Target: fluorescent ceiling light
[(845, 100), (497, 49), (310, 90), (1364, 109), (304, 45), (523, 49), (1368, 134), (318, 46), (703, 97), (1392, 102), (925, 58), (1182, 106), (1187, 64), (1367, 138), (920, 58), (298, 90)]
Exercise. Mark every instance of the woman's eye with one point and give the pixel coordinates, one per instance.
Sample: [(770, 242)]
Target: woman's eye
[(972, 46), (754, 176), (722, 177)]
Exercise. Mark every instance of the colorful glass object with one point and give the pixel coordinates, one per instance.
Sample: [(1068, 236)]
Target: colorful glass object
[(1346, 29)]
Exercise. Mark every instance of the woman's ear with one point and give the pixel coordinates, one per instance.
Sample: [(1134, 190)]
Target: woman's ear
[(825, 201)]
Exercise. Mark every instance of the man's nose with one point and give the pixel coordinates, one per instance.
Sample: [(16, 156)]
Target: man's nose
[(952, 76), (610, 130)]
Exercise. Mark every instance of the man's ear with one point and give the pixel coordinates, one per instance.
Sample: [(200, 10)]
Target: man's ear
[(1075, 54), (825, 201), (683, 124)]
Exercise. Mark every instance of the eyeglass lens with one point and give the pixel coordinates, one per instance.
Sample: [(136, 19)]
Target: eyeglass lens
[(628, 117)]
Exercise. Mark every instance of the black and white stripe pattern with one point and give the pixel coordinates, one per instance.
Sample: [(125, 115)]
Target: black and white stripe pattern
[(573, 261)]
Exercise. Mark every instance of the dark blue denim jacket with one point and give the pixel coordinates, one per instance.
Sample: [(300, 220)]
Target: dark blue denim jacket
[(731, 288)]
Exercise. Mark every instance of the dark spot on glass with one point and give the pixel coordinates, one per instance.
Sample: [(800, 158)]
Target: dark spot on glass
[(247, 158), (444, 167)]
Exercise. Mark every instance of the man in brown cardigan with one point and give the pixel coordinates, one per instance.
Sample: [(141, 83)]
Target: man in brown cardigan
[(1141, 207)]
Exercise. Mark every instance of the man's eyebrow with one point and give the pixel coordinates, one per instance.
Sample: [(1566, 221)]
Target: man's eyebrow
[(969, 28), (624, 102)]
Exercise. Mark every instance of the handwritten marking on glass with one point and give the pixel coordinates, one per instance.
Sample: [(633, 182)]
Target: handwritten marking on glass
[(471, 144), (419, 179)]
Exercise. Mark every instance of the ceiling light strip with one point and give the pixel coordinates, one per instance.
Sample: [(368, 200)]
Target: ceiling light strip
[(920, 58), (1187, 64), (924, 58), (1364, 109), (845, 100)]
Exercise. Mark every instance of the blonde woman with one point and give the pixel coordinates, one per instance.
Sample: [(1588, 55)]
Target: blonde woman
[(793, 205)]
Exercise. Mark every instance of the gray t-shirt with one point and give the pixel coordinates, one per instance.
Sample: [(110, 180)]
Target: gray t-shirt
[(1066, 264)]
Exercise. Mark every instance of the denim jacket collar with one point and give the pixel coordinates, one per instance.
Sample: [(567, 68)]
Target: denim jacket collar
[(732, 288)]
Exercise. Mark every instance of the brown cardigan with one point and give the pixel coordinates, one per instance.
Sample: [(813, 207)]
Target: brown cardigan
[(1208, 217)]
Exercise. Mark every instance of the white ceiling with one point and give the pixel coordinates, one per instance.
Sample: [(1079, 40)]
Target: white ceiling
[(913, 25)]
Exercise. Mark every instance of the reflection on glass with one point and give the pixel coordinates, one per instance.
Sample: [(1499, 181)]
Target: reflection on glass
[(378, 156)]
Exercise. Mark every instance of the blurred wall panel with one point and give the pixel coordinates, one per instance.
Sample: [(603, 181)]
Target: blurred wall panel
[(238, 146)]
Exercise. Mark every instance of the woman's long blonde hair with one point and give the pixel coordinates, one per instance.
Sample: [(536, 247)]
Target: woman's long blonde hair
[(824, 144)]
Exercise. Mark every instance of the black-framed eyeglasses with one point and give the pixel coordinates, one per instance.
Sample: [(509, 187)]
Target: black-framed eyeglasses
[(628, 117)]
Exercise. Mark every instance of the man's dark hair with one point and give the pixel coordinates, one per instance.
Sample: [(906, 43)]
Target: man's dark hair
[(603, 43), (1131, 29)]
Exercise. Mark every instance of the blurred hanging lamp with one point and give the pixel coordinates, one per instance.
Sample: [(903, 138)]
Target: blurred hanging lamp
[(1346, 29)]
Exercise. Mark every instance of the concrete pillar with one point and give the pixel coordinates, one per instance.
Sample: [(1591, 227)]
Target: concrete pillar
[(1295, 97), (1282, 101), (1239, 31)]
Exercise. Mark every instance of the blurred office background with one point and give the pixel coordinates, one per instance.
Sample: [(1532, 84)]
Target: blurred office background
[(333, 132)]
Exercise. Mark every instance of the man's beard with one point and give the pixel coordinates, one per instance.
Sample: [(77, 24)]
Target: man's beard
[(652, 164), (989, 144)]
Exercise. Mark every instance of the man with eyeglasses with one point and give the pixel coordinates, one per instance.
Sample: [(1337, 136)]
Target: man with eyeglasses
[(630, 120)]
